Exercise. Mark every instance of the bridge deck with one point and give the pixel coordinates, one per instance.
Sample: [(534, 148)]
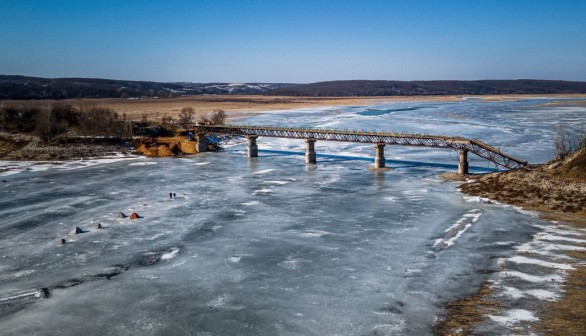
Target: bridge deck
[(477, 147)]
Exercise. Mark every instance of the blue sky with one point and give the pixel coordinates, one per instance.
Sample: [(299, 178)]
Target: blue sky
[(294, 40)]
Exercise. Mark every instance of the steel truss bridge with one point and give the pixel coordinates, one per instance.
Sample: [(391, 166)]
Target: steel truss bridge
[(461, 144)]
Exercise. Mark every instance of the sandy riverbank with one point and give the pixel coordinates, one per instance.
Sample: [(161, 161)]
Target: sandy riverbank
[(557, 191)]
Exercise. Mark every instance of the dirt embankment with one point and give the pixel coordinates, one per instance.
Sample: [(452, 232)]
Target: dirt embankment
[(556, 190), (168, 146), (17, 147)]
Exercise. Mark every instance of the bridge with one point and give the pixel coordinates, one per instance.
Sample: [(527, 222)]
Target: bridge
[(379, 139)]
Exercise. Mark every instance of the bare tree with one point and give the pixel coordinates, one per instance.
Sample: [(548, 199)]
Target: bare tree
[(581, 140), (46, 124), (203, 119), (166, 120), (186, 117), (218, 117), (562, 140)]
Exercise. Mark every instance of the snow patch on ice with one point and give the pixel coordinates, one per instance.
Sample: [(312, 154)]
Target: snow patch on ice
[(149, 163), (514, 316), (35, 294), (543, 263), (456, 230), (276, 182), (264, 171), (170, 255), (543, 294), (512, 292), (547, 236), (235, 259), (531, 278), (251, 203), (262, 191), (315, 233)]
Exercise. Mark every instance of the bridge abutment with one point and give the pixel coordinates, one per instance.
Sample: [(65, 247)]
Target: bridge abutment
[(252, 147), (202, 146), (463, 162), (379, 157), (310, 156)]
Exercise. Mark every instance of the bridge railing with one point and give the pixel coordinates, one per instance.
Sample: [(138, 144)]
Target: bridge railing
[(474, 146)]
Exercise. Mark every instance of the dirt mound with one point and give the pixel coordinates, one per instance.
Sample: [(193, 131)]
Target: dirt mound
[(573, 167), (557, 189)]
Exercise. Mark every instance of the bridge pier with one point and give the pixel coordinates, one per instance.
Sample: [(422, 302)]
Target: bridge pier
[(310, 156), (202, 146), (252, 147), (463, 162), (379, 157)]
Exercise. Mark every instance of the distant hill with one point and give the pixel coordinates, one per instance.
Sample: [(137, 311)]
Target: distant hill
[(23, 87), (439, 87)]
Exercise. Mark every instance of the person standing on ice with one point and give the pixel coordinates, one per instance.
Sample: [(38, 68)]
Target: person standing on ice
[(171, 195)]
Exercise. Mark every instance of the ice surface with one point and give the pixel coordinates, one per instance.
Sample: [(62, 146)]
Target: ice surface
[(270, 246), (514, 316)]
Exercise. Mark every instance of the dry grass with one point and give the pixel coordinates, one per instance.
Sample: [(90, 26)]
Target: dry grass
[(567, 316), (558, 193), (461, 315), (234, 106)]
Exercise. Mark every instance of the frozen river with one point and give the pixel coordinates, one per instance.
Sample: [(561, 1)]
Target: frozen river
[(267, 246)]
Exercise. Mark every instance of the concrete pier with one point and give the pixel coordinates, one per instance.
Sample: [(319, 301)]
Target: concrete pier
[(252, 147), (463, 162), (310, 156), (202, 146), (379, 158)]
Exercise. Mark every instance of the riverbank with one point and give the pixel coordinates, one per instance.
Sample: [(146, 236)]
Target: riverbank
[(557, 192), (21, 147)]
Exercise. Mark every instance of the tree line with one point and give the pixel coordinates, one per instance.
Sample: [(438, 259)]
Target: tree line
[(52, 121), (61, 120), (353, 88)]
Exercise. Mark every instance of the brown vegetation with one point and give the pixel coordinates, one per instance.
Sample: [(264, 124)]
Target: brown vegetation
[(558, 191), (461, 315), (567, 316), (234, 106)]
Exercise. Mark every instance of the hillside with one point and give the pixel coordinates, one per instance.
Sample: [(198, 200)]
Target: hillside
[(421, 88), (23, 87)]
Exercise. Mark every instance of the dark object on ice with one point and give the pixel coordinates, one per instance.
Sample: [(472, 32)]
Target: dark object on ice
[(134, 215), (62, 240), (99, 226), (171, 195), (46, 292), (4, 180), (121, 215), (174, 196), (76, 230)]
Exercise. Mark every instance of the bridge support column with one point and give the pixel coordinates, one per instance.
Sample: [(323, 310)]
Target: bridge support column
[(379, 158), (252, 147), (202, 146), (463, 162), (310, 156)]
